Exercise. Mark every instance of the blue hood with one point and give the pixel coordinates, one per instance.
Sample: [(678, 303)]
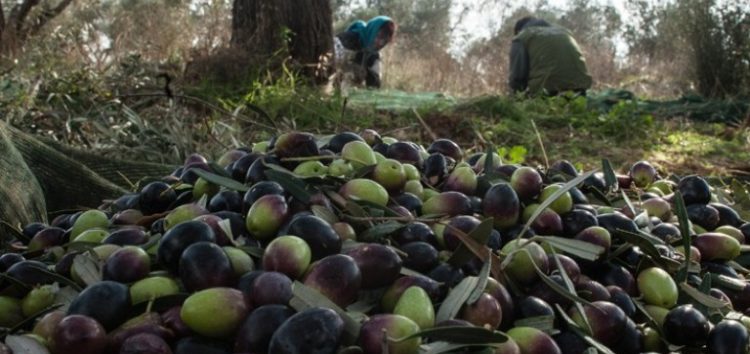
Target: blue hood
[(368, 31)]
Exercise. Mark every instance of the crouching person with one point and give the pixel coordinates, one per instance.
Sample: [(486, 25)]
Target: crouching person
[(357, 51)]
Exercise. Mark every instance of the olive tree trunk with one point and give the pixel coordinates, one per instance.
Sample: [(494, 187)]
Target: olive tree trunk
[(300, 30), (22, 21)]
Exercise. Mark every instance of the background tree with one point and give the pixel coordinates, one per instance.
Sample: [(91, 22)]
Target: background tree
[(299, 29), (595, 28), (25, 19), (718, 34), (702, 45)]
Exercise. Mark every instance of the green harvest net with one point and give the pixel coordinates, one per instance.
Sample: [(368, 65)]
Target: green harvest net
[(730, 111), (38, 177)]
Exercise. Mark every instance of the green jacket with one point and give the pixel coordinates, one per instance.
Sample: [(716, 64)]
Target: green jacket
[(547, 58)]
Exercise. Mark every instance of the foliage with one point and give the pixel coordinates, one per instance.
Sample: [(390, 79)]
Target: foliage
[(558, 118), (24, 20), (514, 155), (125, 114), (719, 40), (95, 79), (712, 35)]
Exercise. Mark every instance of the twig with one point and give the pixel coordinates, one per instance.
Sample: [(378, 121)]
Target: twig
[(211, 134), (309, 158), (541, 144), (424, 125), (396, 130), (343, 110), (479, 136), (389, 218), (127, 180)]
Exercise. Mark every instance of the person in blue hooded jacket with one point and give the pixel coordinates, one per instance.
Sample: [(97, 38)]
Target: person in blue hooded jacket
[(358, 48)]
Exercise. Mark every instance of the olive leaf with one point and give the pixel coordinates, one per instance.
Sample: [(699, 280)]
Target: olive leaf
[(644, 219), (25, 345), (647, 244), (253, 251), (218, 170), (568, 292), (277, 167), (727, 282), (32, 319), (578, 248), (577, 330), (554, 285), (306, 297), (324, 213), (363, 171), (295, 186), (628, 203), (380, 231), (8, 229), (600, 196), (386, 211), (226, 226), (552, 198), (446, 347), (218, 180), (355, 209), (410, 272), (481, 251), (15, 281), (572, 289), (456, 299), (465, 251), (80, 246), (367, 300), (158, 304), (598, 346), (350, 245), (65, 297), (337, 199), (610, 179), (738, 267), (544, 323), (649, 319), (87, 268), (47, 274), (487, 169), (484, 275), (682, 217), (702, 298), (459, 335), (705, 286), (203, 201)]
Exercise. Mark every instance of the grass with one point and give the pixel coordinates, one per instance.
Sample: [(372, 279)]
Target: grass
[(94, 115)]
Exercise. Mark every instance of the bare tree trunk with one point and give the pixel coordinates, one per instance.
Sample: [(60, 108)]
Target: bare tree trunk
[(18, 26), (275, 30), (2, 18)]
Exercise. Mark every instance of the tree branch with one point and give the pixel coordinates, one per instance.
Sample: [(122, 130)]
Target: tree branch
[(47, 15), (2, 18), (19, 13)]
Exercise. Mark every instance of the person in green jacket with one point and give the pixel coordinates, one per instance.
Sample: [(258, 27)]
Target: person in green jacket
[(546, 59)]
